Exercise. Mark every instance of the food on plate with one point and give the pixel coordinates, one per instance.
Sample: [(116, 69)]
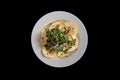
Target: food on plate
[(59, 39)]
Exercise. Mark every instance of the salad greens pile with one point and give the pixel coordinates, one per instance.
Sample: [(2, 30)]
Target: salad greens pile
[(58, 39)]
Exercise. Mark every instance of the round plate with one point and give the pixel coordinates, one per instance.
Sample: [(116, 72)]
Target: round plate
[(51, 17)]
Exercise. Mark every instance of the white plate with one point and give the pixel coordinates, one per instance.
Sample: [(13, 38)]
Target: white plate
[(48, 18)]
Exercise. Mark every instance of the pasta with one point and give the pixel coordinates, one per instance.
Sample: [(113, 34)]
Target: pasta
[(59, 39)]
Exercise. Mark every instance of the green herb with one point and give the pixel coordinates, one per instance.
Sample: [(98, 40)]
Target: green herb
[(72, 42), (56, 39), (48, 33)]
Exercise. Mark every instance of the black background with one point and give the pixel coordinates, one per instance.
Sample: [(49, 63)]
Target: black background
[(18, 20)]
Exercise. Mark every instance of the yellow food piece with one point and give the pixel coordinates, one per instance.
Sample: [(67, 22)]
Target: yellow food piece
[(73, 34)]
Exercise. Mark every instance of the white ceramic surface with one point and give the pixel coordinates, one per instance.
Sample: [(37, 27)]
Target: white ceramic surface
[(48, 18)]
